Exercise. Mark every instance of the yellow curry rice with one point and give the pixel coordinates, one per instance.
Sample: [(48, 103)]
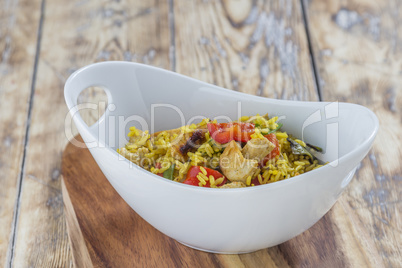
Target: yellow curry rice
[(163, 151)]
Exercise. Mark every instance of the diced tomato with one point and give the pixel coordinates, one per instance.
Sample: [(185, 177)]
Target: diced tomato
[(226, 132), (276, 151), (192, 179)]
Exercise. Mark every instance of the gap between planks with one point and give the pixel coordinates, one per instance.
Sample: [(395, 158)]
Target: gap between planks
[(14, 224), (172, 48), (310, 49)]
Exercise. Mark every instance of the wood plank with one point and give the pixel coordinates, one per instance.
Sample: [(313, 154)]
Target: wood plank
[(75, 33), (257, 47), (81, 257), (105, 231), (357, 49), (18, 27)]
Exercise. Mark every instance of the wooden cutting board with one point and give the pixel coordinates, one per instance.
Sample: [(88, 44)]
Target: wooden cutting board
[(105, 232)]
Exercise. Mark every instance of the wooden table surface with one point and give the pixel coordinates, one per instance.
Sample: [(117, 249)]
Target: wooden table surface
[(315, 50)]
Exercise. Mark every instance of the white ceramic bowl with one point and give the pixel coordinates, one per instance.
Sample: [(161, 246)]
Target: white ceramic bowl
[(218, 220)]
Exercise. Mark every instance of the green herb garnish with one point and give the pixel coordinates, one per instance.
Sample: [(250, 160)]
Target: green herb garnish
[(168, 173)]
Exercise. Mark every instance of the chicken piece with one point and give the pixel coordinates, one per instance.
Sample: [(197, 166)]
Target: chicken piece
[(235, 184), (257, 149), (234, 166)]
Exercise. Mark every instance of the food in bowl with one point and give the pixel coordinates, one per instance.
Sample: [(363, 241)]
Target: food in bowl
[(248, 152)]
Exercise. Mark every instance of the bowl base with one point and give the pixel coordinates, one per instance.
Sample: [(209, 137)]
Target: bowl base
[(215, 251)]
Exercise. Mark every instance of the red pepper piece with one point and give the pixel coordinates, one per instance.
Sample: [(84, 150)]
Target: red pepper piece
[(192, 179), (226, 132)]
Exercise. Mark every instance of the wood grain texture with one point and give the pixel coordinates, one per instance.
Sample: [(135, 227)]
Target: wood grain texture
[(81, 257), (102, 224), (358, 52), (75, 34), (18, 27), (257, 47)]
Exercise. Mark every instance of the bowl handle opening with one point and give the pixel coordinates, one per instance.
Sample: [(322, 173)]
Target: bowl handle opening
[(75, 85)]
